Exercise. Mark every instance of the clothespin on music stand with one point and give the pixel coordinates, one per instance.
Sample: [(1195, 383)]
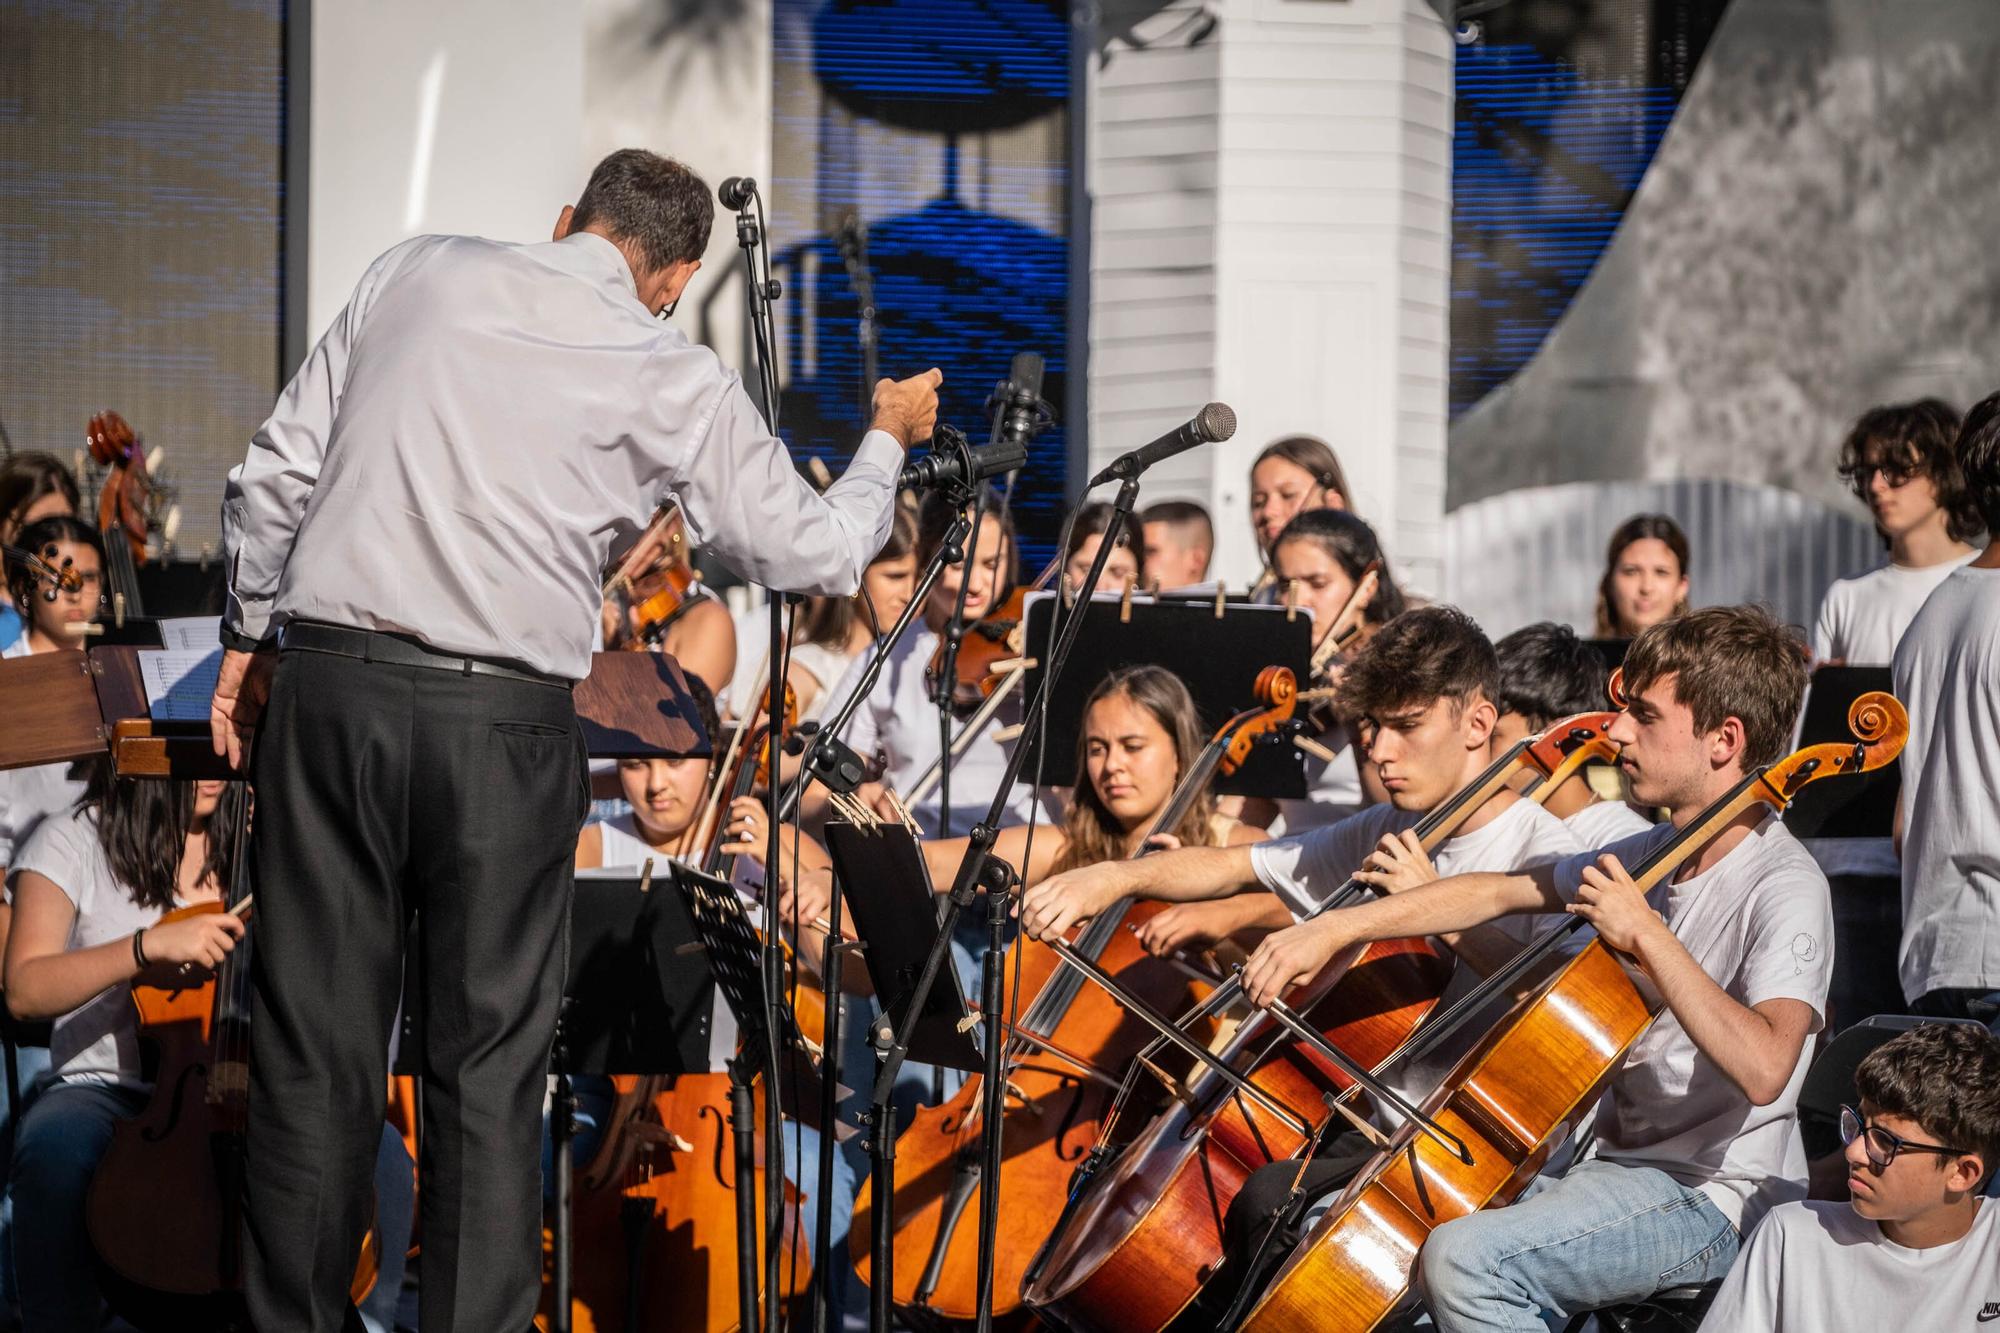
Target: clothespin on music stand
[(902, 812), (1125, 602), (1291, 599), (1221, 598)]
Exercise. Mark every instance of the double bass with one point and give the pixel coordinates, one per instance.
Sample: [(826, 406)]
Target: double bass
[(1529, 1081), (1065, 1052), (128, 503), (1143, 1236)]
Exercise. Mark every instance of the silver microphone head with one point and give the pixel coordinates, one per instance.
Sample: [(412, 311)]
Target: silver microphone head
[(1216, 422)]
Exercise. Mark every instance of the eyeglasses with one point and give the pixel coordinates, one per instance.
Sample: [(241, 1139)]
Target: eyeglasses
[(1894, 475), (1882, 1145)]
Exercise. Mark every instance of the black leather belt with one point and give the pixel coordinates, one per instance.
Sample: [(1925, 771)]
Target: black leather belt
[(309, 636)]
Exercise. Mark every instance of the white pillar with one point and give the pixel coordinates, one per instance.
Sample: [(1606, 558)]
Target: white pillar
[(1271, 227)]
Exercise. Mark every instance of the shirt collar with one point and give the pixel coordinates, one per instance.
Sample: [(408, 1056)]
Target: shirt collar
[(600, 258)]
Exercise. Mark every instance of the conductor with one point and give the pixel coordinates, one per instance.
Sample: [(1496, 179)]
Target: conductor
[(414, 543)]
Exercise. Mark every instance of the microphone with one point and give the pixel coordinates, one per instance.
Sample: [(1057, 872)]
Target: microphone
[(953, 464), (1019, 397), (737, 191), (1212, 424)]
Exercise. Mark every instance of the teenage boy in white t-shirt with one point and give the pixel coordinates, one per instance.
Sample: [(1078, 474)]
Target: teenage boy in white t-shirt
[(1915, 1247), (1547, 674), (1899, 461), (1947, 673), (1696, 1134), (1423, 690)]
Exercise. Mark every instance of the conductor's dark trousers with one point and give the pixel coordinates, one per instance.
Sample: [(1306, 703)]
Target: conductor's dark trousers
[(385, 788)]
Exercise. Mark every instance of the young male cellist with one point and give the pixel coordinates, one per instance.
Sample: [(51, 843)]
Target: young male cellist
[(1696, 1137), (1424, 689)]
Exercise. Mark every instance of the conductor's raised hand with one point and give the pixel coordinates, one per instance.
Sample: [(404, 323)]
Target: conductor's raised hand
[(908, 409), (242, 688), (1052, 907), (1292, 957)]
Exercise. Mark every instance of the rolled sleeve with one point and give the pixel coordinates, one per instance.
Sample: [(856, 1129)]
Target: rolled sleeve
[(746, 504)]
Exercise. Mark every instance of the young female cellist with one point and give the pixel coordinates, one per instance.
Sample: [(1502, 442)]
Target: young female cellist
[(89, 890)]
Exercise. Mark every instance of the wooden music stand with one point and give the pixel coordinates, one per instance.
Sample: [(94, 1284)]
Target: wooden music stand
[(78, 703)]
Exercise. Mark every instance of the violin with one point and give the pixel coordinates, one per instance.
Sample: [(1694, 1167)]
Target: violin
[(1142, 1239), (165, 1208), (1065, 1054), (1530, 1080), (127, 505), (1345, 632), (647, 601)]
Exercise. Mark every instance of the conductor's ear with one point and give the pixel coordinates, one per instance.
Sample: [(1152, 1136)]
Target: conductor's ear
[(562, 222)]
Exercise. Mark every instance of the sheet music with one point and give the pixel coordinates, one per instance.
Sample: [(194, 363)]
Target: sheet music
[(190, 633), (179, 682)]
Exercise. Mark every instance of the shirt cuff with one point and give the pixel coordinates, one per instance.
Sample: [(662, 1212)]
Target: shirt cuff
[(238, 642), (878, 449)]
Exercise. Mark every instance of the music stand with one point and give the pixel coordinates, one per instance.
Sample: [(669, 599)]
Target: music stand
[(1859, 807), (1219, 670), (881, 872)]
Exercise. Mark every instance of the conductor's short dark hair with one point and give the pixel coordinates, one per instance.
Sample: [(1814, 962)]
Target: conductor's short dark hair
[(1978, 457), (1547, 673), (650, 202)]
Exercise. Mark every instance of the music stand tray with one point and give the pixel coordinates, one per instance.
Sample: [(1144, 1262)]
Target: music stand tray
[(881, 872), (1219, 670)]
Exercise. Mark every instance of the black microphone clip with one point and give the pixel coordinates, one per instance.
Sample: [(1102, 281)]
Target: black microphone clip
[(954, 465)]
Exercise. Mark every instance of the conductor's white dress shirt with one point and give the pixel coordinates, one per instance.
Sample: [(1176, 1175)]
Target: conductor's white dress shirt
[(483, 425)]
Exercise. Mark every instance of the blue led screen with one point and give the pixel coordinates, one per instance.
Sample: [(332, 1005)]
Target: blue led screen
[(1560, 107), (933, 132)]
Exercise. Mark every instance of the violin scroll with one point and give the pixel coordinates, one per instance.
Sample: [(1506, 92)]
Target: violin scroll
[(1614, 689), (1278, 690), (1571, 743), (1880, 725)]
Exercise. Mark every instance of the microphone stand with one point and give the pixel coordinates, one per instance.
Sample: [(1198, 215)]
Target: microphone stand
[(759, 291), (978, 872)]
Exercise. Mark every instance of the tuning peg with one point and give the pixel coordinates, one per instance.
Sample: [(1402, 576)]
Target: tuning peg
[(154, 459)]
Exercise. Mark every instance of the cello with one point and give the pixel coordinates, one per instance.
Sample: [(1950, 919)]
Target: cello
[(1064, 1053), (182, 1158), (1528, 1082), (1138, 1242)]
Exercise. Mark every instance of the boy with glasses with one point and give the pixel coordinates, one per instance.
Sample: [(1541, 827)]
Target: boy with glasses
[(1915, 1247)]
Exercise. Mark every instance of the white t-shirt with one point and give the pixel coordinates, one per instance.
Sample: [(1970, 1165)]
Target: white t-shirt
[(1760, 923), (98, 1041), (899, 719), (1818, 1267), (30, 795), (1947, 673), (1862, 619), (1602, 823), (825, 665)]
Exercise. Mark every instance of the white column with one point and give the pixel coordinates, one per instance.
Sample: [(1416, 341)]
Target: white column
[(1271, 227)]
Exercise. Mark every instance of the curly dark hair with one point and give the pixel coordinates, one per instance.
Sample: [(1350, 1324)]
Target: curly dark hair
[(652, 202), (1913, 440), (1977, 454), (1944, 1076), (1431, 653)]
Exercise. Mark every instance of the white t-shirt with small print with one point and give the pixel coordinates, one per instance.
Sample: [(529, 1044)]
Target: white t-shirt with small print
[(1760, 923)]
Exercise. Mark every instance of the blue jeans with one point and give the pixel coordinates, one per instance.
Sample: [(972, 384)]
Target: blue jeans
[(61, 1139), (31, 1070), (395, 1217), (1601, 1235)]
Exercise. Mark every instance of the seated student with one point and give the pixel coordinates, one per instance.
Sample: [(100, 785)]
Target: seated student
[(1947, 673), (1915, 1247), (33, 486), (1697, 1134), (1423, 690), (1124, 566), (1320, 560), (898, 722), (89, 890), (1645, 576), (1179, 542), (1898, 460), (1547, 674)]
